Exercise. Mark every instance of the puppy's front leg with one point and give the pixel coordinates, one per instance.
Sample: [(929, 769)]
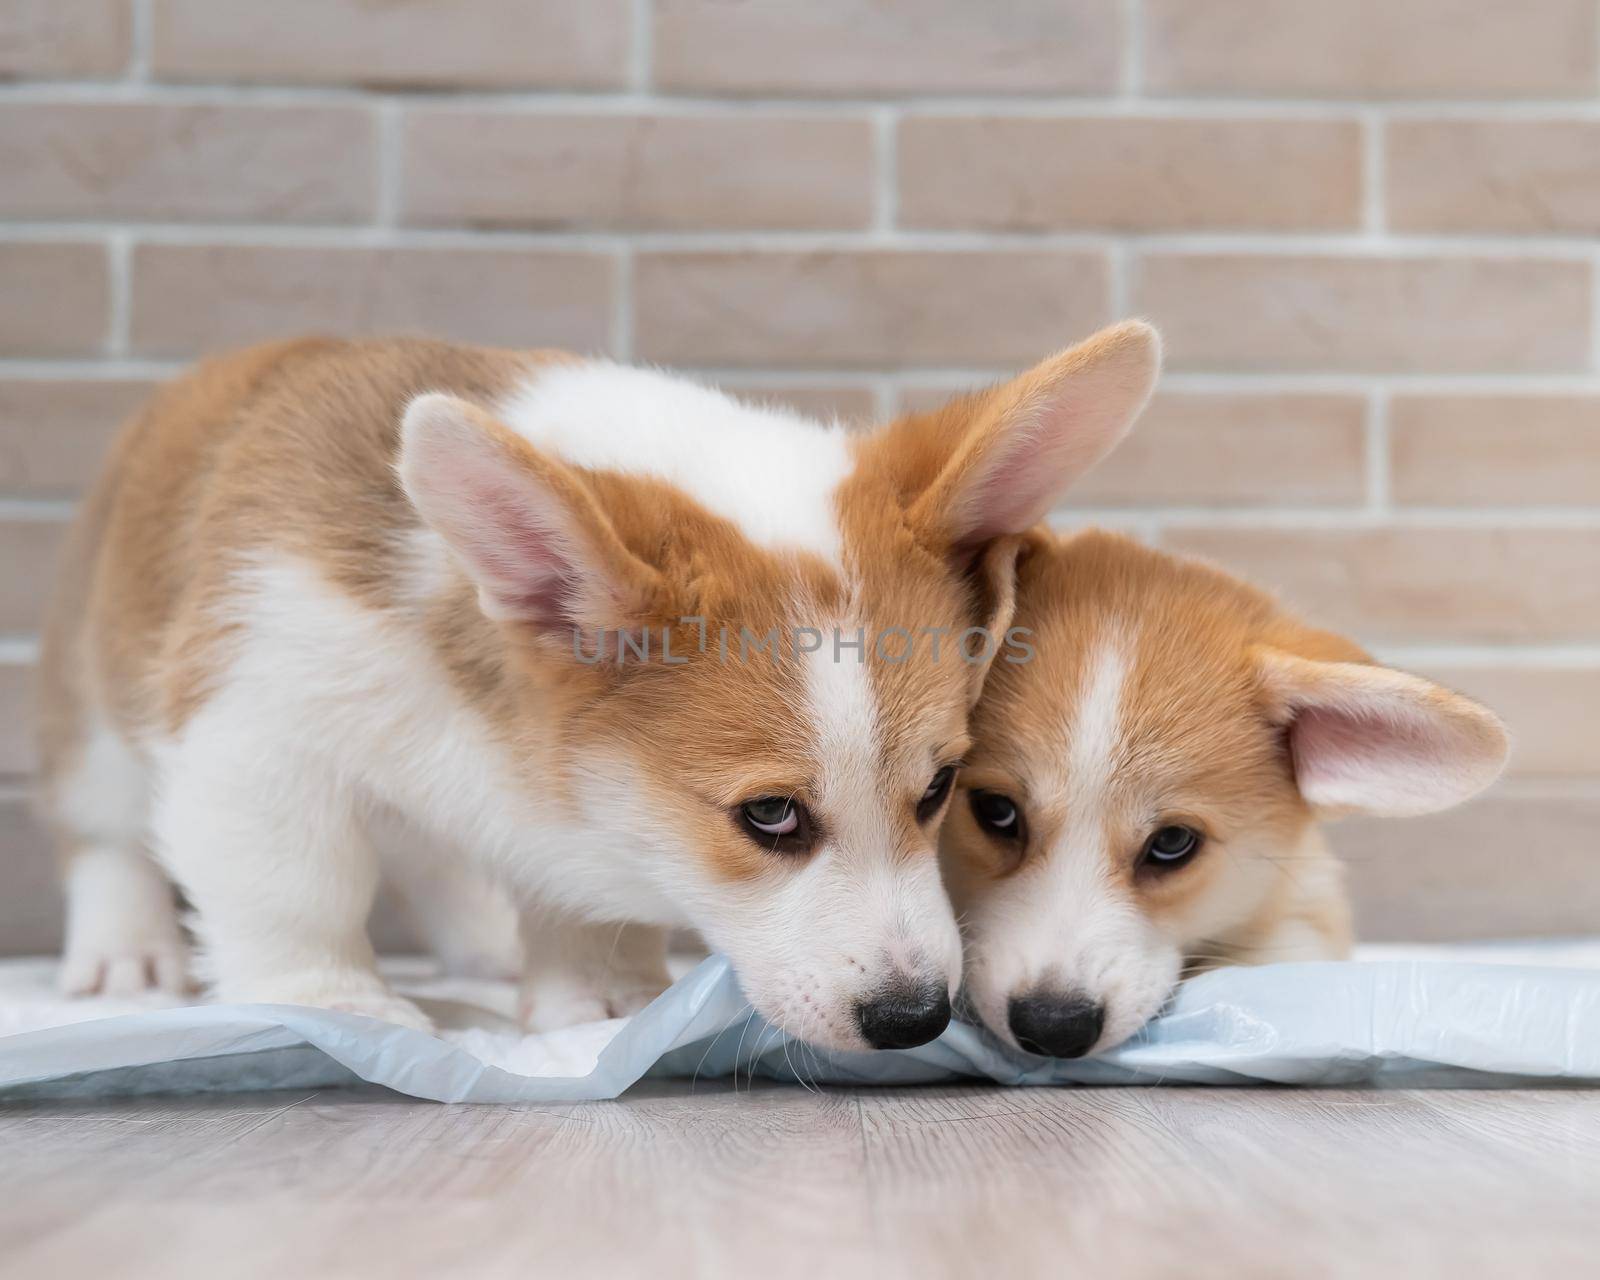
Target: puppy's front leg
[(466, 919), (267, 845), (575, 971)]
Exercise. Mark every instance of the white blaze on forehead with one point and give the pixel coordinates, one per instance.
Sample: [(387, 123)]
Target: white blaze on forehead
[(844, 718), (770, 472), (1078, 785), (1094, 735), (863, 899), (1070, 924), (1084, 922)]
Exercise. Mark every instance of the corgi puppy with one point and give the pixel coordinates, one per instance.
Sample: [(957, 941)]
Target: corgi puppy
[(649, 656), (1143, 797)]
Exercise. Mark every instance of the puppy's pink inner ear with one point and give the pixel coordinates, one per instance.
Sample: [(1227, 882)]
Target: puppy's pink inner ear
[(525, 570), (468, 479), (1370, 739), (1041, 431), (1017, 488), (1352, 759)]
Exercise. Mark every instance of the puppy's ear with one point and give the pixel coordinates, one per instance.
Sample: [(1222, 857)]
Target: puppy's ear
[(1368, 739), (526, 527), (994, 580), (994, 463)]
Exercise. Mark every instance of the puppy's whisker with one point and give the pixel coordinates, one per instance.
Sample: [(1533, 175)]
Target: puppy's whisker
[(695, 1078)]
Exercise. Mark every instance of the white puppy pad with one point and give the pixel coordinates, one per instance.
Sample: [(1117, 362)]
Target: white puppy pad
[(1464, 1016)]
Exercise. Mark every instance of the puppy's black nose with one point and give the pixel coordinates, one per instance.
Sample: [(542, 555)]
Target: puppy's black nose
[(904, 1016), (1056, 1024)]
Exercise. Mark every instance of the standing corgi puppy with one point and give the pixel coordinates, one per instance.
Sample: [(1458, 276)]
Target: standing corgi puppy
[(631, 646), (1143, 796)]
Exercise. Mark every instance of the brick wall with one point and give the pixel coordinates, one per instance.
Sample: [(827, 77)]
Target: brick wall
[(1367, 229)]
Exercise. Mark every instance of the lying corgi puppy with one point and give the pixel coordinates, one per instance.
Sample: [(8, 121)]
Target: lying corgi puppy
[(630, 645), (1143, 796)]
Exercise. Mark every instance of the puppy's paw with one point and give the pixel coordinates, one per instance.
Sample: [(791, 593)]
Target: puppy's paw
[(123, 967), (395, 1009), (339, 992), (123, 937), (552, 1003), (625, 1001)]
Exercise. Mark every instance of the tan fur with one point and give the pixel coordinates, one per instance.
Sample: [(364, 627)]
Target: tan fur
[(733, 729), (125, 567), (280, 514), (292, 447), (1202, 734), (219, 462), (925, 460)]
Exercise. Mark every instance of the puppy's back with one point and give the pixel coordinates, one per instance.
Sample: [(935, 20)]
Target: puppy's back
[(288, 445)]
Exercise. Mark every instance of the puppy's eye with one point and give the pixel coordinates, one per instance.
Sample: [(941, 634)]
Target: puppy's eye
[(998, 815), (1171, 847), (773, 815), (777, 823), (937, 790)]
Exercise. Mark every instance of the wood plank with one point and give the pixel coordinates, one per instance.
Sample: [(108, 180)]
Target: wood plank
[(1240, 1182), (692, 1183), (710, 1180)]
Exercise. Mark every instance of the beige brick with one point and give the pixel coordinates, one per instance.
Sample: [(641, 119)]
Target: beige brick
[(1494, 175), (1381, 48), (1028, 173), (54, 299), (54, 433), (580, 44), (26, 570), (16, 719), (1495, 450), (30, 905), (887, 46), (146, 160), (1431, 585), (865, 308), (1505, 866), (191, 298), (63, 38), (499, 168), (1378, 315), (1207, 448), (850, 404), (1552, 712)]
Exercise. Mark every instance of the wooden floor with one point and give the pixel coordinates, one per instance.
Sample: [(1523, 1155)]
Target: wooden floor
[(776, 1182)]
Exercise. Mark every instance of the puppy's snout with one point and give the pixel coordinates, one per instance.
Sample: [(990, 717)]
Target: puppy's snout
[(1057, 1024), (904, 1015)]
